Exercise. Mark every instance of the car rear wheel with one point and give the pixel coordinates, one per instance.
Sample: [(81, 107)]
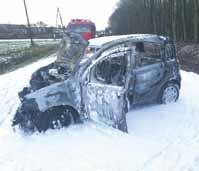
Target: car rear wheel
[(169, 94)]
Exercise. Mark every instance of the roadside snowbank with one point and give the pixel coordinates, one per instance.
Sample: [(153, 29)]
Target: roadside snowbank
[(12, 83)]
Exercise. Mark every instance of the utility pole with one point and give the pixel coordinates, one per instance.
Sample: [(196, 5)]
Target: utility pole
[(29, 27), (58, 15)]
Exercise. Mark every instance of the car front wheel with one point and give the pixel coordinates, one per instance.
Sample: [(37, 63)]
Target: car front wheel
[(169, 94), (57, 117)]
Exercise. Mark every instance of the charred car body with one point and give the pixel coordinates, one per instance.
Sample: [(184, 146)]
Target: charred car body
[(129, 71), (60, 70), (72, 47)]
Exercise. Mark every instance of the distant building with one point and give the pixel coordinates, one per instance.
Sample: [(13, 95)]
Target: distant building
[(12, 31)]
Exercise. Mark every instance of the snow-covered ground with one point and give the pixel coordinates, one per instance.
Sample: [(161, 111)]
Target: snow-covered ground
[(161, 137), (16, 44)]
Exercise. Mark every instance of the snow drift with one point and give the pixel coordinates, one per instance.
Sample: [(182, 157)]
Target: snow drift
[(161, 137)]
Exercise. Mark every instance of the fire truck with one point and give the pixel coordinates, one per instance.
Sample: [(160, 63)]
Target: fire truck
[(85, 27)]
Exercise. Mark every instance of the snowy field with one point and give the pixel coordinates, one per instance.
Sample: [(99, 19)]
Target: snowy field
[(16, 44), (161, 137)]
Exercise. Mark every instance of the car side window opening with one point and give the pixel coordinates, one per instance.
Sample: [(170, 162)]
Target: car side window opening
[(111, 70), (147, 53), (169, 51), (114, 48)]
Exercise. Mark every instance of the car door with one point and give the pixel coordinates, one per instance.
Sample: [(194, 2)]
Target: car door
[(149, 70), (105, 91)]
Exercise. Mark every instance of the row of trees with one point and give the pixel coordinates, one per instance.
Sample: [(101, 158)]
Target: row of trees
[(177, 18)]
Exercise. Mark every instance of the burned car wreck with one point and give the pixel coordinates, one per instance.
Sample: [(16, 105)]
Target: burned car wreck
[(71, 48), (134, 70)]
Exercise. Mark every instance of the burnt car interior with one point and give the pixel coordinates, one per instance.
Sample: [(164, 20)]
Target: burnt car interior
[(170, 51), (112, 70), (147, 53)]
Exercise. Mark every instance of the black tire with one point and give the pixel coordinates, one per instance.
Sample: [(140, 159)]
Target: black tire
[(169, 93), (57, 117)]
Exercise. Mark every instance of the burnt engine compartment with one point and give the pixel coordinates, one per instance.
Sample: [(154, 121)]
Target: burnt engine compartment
[(45, 76)]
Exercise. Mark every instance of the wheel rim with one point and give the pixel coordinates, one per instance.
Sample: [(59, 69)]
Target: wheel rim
[(170, 95), (58, 122), (56, 117), (60, 117), (61, 120)]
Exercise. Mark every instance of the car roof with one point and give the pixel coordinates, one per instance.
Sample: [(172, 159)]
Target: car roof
[(98, 42), (111, 41)]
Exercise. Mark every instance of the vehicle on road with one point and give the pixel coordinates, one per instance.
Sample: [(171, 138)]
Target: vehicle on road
[(85, 27), (134, 70)]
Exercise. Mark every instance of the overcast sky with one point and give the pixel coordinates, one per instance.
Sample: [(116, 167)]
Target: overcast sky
[(12, 11)]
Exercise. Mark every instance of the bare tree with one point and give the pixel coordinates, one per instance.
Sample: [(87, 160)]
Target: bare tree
[(183, 14), (176, 18)]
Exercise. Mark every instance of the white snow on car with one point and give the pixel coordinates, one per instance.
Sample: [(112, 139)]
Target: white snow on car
[(96, 43)]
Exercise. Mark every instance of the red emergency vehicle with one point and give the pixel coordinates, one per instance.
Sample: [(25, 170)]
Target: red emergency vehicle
[(85, 27)]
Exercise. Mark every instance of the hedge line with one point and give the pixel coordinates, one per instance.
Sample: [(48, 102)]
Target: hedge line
[(12, 60)]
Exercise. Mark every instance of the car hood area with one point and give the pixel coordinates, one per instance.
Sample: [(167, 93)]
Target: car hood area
[(63, 93)]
